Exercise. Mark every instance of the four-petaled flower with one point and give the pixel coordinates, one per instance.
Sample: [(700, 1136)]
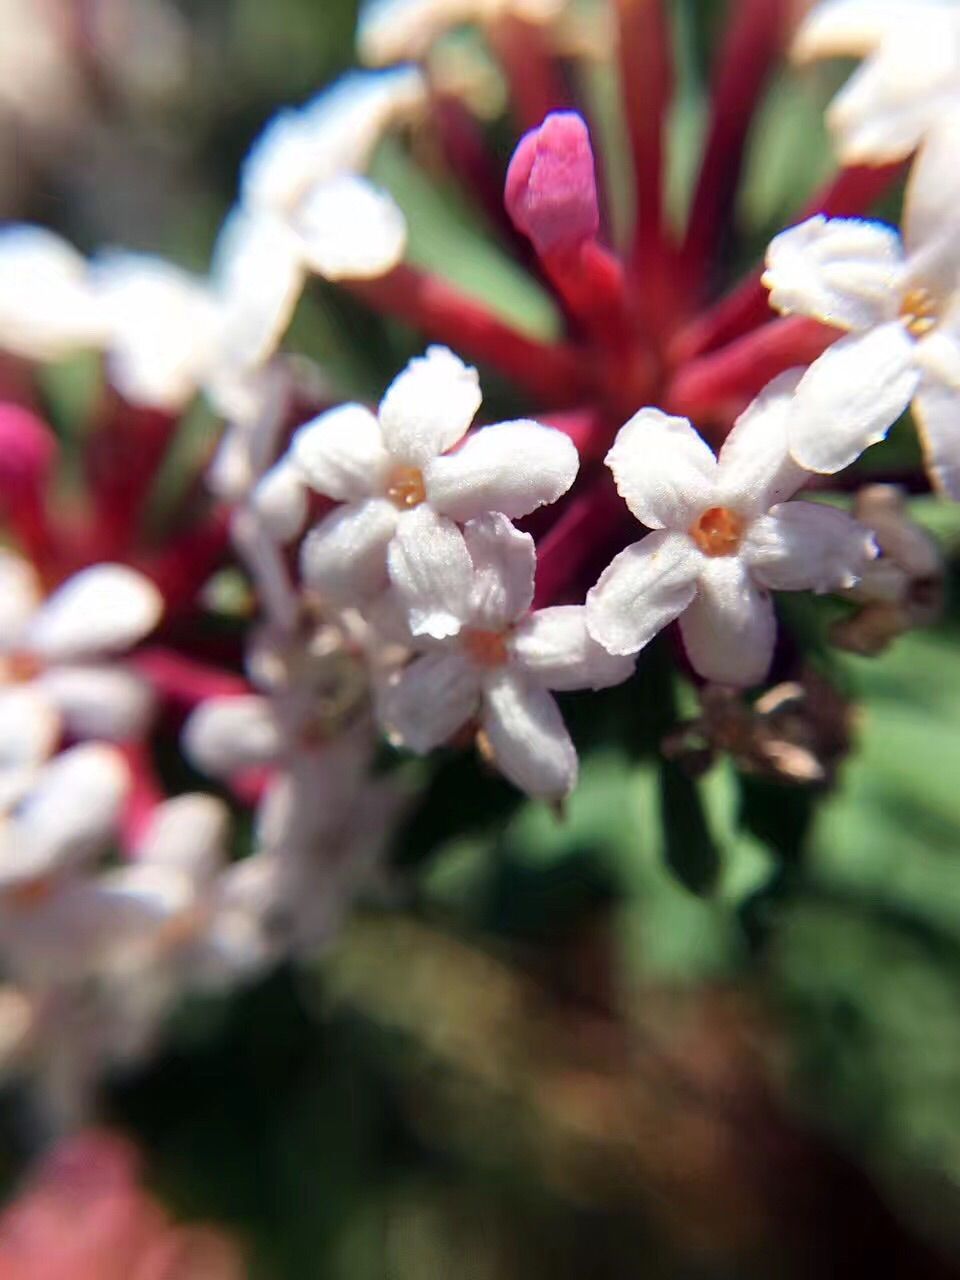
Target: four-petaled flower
[(405, 494), (900, 303), (723, 538), (499, 668)]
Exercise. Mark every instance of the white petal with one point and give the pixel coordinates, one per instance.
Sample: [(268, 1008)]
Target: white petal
[(430, 567), (103, 609), (69, 814), (344, 557), (19, 597), (554, 647), (846, 272), (850, 397), (931, 205), (335, 132), (806, 545), (729, 630), (280, 500), (258, 277), (849, 28), (642, 590), (225, 735), (341, 453), (429, 701), (429, 406), (48, 308), (512, 467), (527, 735), (665, 471), (29, 727), (755, 467), (164, 329), (188, 834), (936, 410), (351, 230), (504, 564), (98, 701), (890, 103)]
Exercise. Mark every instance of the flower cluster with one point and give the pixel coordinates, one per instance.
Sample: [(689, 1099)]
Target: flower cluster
[(419, 578)]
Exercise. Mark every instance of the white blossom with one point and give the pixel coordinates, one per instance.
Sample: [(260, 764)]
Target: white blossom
[(305, 171), (722, 539), (909, 77), (397, 30), (899, 302), (499, 667), (49, 307), (403, 493), (55, 670)]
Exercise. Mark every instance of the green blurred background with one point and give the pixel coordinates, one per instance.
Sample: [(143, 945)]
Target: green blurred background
[(698, 1029)]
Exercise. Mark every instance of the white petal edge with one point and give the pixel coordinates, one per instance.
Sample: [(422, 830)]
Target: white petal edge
[(729, 630), (189, 834), (429, 406), (427, 702), (808, 546), (643, 589), (936, 410), (344, 557), (504, 563), (103, 609), (350, 230), (96, 701), (851, 396), (341, 453), (554, 647), (664, 470), (431, 570), (526, 733), (224, 735), (755, 469), (512, 467)]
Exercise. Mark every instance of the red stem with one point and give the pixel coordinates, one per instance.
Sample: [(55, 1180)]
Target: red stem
[(715, 388), (549, 371), (646, 75), (183, 682), (532, 73), (121, 461), (750, 50), (849, 193), (590, 530), (181, 569)]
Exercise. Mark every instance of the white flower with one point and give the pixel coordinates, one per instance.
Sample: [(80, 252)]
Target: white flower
[(397, 30), (64, 815), (54, 676), (900, 304), (723, 538), (304, 171), (404, 494), (500, 667), (909, 78), (171, 334), (48, 305)]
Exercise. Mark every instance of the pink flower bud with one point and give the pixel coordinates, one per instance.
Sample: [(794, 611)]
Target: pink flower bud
[(551, 190), (27, 450)]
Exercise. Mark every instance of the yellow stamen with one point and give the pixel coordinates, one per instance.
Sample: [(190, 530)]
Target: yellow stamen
[(717, 532)]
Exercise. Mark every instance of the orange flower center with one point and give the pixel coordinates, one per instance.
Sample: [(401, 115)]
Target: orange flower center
[(28, 894), (717, 532), (19, 667), (405, 487), (485, 648), (919, 312)]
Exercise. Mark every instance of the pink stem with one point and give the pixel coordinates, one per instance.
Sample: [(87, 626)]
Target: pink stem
[(183, 682), (646, 73), (591, 528), (428, 303), (849, 193), (715, 388)]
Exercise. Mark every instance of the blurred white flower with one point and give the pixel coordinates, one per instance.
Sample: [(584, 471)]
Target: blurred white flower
[(404, 493), (49, 307), (305, 171), (499, 667), (723, 539), (56, 673), (899, 301), (910, 75), (397, 30)]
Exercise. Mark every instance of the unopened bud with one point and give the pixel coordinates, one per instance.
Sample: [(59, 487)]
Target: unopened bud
[(551, 190)]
